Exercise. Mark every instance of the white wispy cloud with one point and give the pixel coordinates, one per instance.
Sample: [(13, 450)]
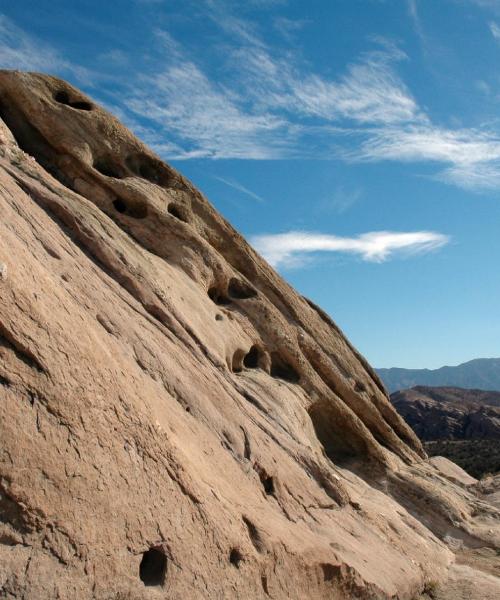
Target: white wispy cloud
[(269, 103), (291, 248), (18, 50), (232, 183), (186, 103), (495, 30), (427, 142)]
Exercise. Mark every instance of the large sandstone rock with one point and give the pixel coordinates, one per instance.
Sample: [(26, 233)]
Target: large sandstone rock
[(175, 420)]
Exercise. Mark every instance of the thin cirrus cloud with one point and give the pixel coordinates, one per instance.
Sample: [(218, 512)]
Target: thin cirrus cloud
[(495, 30), (269, 103), (293, 248), (276, 107), (18, 50), (235, 185)]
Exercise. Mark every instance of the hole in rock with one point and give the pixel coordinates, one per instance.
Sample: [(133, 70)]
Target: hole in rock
[(120, 205), (330, 572), (64, 98), (106, 167), (217, 296), (136, 210), (240, 290), (179, 212), (266, 480), (283, 370), (339, 441), (268, 484), (149, 168), (153, 567), (235, 557), (253, 358)]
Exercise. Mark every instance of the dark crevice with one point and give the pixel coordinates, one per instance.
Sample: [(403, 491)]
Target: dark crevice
[(253, 358), (254, 535), (359, 387), (252, 400), (338, 443), (32, 142), (179, 212), (281, 369), (64, 98), (107, 167), (136, 210), (239, 290), (3, 380), (266, 480), (265, 586), (246, 440), (218, 296), (330, 572), (153, 567)]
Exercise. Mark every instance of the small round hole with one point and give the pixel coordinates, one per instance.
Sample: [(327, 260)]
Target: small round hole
[(235, 557), (178, 212), (120, 205), (136, 211)]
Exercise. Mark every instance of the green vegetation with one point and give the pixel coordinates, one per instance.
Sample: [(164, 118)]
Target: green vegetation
[(477, 457)]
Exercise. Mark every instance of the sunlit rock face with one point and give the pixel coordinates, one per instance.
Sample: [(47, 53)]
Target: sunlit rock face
[(176, 421)]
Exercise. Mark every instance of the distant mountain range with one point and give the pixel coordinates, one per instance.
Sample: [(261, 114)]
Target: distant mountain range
[(480, 373)]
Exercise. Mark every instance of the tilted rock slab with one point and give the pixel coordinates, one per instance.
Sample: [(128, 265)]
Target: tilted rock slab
[(175, 420)]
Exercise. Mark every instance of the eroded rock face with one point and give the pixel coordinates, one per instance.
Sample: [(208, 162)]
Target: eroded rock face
[(175, 420), (444, 413)]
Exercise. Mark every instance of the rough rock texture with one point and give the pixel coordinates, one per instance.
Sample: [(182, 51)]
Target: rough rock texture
[(480, 373), (175, 420), (450, 413)]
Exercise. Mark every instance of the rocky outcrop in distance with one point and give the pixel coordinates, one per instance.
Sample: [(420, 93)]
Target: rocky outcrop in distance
[(445, 413), (175, 420), (460, 424)]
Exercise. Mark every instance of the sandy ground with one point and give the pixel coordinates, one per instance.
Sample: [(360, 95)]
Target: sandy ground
[(475, 576)]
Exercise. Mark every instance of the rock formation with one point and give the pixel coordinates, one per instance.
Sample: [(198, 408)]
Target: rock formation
[(176, 421), (450, 413), (461, 424)]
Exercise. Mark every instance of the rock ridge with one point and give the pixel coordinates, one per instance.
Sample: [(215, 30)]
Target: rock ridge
[(176, 421)]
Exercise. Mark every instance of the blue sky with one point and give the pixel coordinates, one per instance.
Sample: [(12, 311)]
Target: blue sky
[(356, 143)]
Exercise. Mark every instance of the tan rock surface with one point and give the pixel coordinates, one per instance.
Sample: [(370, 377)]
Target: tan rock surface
[(175, 420)]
